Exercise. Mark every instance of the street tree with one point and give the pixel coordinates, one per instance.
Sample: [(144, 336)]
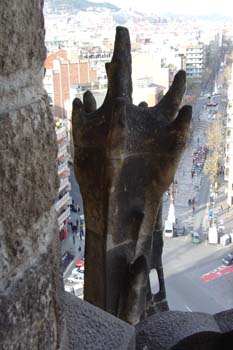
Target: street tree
[(214, 141)]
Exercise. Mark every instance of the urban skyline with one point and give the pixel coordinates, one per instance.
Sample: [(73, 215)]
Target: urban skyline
[(189, 7)]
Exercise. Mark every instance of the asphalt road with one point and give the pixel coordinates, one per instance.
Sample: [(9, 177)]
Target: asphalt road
[(75, 190), (185, 264), (200, 223)]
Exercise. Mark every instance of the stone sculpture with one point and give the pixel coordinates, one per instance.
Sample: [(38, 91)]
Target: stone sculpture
[(125, 159)]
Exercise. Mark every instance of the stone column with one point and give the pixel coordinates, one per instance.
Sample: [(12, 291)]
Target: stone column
[(30, 316)]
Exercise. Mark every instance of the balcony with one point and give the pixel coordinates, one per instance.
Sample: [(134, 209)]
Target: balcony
[(63, 216), (61, 133), (64, 182), (63, 168), (65, 200), (62, 150)]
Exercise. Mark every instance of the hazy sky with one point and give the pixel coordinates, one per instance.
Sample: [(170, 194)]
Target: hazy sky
[(179, 6)]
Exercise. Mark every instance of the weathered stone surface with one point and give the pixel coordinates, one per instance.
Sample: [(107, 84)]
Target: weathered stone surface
[(29, 307), (30, 267), (178, 330), (90, 328), (225, 320), (22, 36), (28, 184), (125, 158)]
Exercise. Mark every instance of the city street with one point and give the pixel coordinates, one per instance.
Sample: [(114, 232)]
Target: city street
[(195, 278), (184, 265), (188, 187), (68, 244), (192, 187)]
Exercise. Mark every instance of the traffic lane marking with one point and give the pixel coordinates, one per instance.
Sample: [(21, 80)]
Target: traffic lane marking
[(219, 272)]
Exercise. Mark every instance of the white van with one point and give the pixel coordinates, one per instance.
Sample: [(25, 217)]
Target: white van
[(168, 229)]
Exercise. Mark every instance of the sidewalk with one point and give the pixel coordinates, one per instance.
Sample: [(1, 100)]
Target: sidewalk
[(72, 243), (221, 211), (188, 187)]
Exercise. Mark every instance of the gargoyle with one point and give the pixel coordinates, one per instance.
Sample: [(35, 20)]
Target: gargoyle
[(125, 158)]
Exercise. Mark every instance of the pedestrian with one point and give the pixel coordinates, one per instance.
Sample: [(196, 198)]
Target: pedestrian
[(193, 208), (189, 202), (80, 235), (192, 173), (79, 248), (73, 239)]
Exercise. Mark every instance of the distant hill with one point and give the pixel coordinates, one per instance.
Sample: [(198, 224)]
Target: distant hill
[(79, 5)]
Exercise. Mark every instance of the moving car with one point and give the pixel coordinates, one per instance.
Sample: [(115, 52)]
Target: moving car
[(228, 259), (196, 237), (212, 104)]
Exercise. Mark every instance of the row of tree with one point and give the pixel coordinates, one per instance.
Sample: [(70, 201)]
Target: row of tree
[(215, 134), (214, 142)]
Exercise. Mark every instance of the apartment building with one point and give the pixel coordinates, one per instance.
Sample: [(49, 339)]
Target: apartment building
[(228, 174), (194, 61), (64, 199), (65, 70)]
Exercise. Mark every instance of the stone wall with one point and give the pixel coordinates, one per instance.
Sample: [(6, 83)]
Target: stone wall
[(30, 316), (31, 287)]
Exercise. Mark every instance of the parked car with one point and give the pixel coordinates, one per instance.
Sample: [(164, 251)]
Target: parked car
[(79, 263), (228, 259), (67, 257), (74, 288), (76, 278), (77, 270), (220, 227)]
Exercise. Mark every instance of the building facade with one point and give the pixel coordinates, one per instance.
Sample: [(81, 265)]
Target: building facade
[(228, 174), (64, 199), (64, 72), (194, 61)]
